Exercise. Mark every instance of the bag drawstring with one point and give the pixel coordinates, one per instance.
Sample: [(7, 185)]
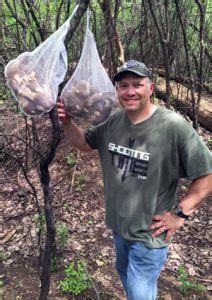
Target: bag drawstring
[(88, 23)]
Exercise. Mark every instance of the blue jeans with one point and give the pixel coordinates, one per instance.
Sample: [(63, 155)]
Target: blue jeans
[(139, 268)]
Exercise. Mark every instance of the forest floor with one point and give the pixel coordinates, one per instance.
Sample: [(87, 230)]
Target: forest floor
[(79, 207)]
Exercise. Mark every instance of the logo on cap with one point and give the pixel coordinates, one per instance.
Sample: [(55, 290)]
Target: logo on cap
[(129, 64)]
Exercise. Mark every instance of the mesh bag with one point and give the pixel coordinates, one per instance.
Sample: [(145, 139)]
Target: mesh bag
[(34, 76), (89, 94)]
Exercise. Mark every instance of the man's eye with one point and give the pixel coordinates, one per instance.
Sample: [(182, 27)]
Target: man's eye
[(138, 85)]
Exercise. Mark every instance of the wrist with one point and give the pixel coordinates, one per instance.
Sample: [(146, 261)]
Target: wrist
[(178, 211), (67, 122)]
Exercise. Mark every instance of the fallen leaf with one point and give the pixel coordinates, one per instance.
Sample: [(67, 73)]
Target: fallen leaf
[(99, 262)]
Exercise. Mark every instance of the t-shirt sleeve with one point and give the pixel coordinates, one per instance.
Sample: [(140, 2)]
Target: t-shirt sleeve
[(196, 159), (91, 137), (95, 135)]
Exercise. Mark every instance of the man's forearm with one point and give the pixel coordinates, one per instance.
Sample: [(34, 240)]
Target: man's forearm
[(198, 191), (76, 135)]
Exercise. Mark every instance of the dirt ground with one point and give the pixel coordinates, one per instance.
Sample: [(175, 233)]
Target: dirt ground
[(79, 206)]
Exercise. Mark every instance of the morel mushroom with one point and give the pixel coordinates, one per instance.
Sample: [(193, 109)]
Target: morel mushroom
[(33, 96), (81, 88), (85, 102)]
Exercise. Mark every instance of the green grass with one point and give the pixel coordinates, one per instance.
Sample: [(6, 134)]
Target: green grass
[(187, 286)]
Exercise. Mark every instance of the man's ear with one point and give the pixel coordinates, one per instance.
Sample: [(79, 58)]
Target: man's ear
[(152, 87)]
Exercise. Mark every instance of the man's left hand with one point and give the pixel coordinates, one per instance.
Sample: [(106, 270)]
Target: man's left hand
[(167, 222)]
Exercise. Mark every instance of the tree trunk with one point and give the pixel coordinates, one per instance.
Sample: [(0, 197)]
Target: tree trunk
[(202, 10), (164, 41), (50, 247), (181, 96), (116, 57), (75, 21)]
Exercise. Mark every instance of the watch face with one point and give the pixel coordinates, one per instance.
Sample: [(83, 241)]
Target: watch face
[(178, 210)]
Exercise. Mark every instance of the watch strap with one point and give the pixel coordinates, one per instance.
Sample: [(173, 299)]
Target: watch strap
[(179, 212)]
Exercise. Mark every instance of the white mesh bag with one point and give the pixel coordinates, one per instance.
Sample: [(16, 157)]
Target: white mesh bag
[(89, 93), (34, 76)]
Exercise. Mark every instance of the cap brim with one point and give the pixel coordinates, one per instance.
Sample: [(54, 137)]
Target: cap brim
[(119, 75)]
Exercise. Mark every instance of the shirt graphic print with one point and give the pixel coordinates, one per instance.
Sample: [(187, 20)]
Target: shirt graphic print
[(130, 161)]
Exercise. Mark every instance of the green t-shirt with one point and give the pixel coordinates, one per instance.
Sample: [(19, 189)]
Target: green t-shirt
[(141, 166)]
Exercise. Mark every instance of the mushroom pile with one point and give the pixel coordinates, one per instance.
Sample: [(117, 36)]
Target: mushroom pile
[(84, 101), (33, 96)]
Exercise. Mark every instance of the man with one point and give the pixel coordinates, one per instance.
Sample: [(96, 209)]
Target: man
[(144, 150)]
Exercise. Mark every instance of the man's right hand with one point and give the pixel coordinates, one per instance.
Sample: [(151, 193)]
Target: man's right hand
[(64, 117)]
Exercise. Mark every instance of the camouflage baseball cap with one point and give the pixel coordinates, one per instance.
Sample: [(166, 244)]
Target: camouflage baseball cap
[(135, 67)]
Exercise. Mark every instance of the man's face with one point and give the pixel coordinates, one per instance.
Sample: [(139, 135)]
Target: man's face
[(134, 92)]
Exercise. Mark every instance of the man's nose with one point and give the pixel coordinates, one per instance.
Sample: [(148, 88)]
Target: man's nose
[(131, 90)]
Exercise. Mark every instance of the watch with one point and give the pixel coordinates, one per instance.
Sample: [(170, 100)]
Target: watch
[(179, 212)]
